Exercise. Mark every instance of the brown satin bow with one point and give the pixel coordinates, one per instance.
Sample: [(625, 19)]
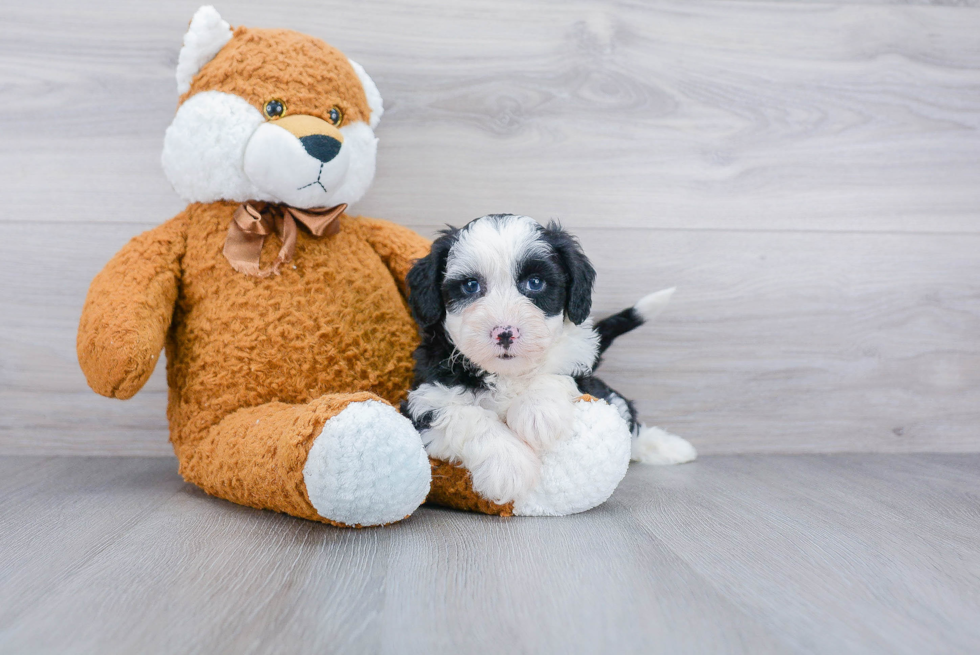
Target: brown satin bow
[(252, 223)]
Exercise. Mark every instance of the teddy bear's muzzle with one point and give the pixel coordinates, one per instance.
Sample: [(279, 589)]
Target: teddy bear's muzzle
[(299, 160), (319, 138)]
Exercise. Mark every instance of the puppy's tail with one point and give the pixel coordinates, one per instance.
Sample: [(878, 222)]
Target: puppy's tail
[(646, 309)]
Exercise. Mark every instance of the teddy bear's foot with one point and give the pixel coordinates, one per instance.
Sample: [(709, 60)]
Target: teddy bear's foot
[(583, 469), (656, 446), (367, 466)]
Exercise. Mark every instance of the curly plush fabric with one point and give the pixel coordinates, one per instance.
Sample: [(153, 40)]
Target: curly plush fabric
[(452, 486), (255, 366), (260, 65)]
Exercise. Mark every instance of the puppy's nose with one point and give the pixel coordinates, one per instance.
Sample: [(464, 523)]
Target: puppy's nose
[(505, 335), (321, 146)]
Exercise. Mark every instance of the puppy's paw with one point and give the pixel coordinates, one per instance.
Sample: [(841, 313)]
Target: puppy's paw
[(541, 422), (504, 469), (656, 446), (544, 414)]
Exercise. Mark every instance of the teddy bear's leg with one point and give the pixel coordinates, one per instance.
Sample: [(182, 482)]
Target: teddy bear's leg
[(344, 459)]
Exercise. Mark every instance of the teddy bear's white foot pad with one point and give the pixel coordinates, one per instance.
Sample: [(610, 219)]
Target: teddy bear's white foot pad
[(584, 469), (656, 446), (367, 466)]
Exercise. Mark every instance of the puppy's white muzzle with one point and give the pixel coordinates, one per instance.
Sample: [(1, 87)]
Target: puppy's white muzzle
[(503, 333)]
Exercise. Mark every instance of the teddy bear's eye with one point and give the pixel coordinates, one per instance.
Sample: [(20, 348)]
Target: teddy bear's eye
[(335, 115), (274, 108)]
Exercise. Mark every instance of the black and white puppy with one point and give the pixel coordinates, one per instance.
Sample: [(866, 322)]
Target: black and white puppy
[(508, 346)]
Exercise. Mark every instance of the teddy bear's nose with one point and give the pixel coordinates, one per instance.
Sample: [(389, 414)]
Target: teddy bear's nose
[(321, 146)]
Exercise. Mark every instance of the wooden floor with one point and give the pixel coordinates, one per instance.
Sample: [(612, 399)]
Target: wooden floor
[(754, 554)]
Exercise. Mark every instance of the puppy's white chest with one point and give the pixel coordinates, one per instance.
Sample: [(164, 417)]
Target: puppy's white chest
[(502, 395), (505, 391)]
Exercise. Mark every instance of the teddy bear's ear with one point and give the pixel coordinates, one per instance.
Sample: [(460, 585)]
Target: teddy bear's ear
[(207, 34), (372, 93)]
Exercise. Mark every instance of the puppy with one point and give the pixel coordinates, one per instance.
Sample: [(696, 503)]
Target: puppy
[(508, 346)]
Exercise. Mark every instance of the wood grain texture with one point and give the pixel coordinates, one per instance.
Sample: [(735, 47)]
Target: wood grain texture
[(806, 173), (785, 535), (762, 554)]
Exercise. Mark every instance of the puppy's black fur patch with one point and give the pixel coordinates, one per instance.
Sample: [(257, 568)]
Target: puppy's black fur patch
[(593, 386), (434, 360), (552, 298), (578, 268), (425, 282)]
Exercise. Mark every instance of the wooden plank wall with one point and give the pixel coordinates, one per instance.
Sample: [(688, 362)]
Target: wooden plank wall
[(807, 174)]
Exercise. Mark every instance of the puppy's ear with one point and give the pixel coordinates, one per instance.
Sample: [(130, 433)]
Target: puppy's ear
[(425, 282), (581, 274)]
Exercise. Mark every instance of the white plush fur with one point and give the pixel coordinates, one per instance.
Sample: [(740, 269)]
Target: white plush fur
[(276, 162), (656, 446), (584, 468), (220, 147), (207, 34), (371, 91), (204, 147), (367, 466), (363, 145)]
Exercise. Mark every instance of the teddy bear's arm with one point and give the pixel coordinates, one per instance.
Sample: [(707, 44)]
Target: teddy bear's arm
[(397, 246), (128, 310)]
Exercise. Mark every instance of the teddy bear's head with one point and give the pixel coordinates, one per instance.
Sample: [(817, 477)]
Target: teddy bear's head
[(269, 115)]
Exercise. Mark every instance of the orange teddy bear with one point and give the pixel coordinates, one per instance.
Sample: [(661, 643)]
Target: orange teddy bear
[(285, 322), (288, 346)]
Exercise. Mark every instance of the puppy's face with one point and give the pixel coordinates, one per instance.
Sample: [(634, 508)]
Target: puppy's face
[(501, 288)]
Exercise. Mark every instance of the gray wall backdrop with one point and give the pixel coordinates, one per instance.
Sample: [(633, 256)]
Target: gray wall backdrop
[(807, 175)]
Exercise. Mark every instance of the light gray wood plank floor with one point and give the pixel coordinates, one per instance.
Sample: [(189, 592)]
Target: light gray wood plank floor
[(741, 554)]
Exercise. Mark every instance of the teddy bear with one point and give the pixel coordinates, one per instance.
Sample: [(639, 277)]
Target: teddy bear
[(285, 322)]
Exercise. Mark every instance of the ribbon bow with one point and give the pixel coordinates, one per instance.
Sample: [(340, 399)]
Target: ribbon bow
[(251, 224)]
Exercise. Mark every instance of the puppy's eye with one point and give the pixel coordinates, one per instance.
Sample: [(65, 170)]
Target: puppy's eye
[(335, 115), (470, 286), (534, 283), (274, 108)]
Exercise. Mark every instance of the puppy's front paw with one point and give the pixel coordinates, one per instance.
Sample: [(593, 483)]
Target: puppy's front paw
[(541, 420), (505, 468)]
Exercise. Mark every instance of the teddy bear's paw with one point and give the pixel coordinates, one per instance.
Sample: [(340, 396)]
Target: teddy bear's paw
[(584, 468), (656, 446), (367, 466)]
